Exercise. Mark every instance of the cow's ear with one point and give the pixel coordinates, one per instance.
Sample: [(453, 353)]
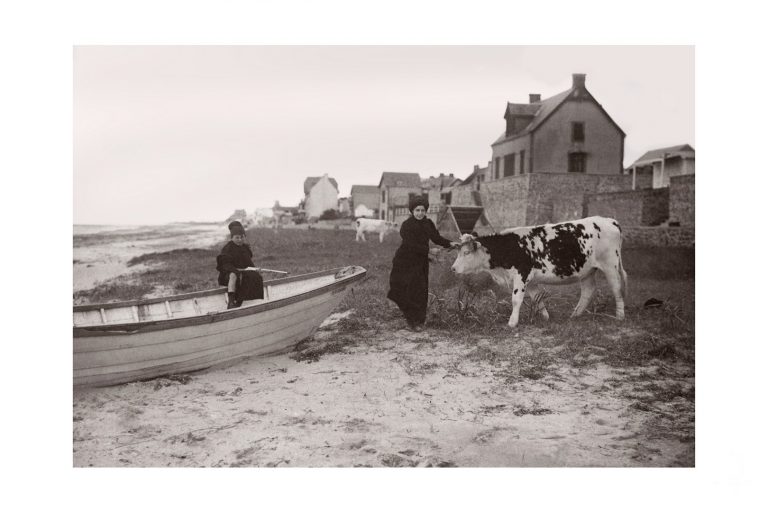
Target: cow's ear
[(474, 246), (474, 234)]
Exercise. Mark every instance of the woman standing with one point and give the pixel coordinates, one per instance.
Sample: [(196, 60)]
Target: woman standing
[(409, 280)]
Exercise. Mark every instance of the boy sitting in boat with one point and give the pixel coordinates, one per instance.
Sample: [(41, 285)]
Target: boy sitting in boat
[(236, 269)]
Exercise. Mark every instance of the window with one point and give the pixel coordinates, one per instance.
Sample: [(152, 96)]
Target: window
[(522, 162), (497, 169), (446, 197), (509, 165), (577, 162), (383, 196), (577, 132)]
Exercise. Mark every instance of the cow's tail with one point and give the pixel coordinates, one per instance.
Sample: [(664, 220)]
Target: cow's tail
[(622, 273)]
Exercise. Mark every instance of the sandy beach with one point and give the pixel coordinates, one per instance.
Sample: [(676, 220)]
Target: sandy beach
[(399, 399)]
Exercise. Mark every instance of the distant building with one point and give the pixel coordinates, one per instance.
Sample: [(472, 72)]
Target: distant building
[(396, 190), (567, 133), (320, 194), (282, 215), (438, 188), (240, 216), (343, 207), (662, 164), (365, 200), (477, 177)]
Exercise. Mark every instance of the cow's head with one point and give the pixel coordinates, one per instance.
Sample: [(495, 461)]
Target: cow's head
[(392, 226), (472, 256)]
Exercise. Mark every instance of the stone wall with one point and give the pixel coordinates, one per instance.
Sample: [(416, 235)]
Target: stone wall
[(682, 199), (657, 236), (644, 207), (462, 195), (505, 201), (559, 197)]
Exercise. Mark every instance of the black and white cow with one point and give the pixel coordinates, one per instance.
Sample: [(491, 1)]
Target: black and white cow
[(524, 258)]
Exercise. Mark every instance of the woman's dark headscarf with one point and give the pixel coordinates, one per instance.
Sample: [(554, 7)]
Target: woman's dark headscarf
[(235, 228), (418, 201)]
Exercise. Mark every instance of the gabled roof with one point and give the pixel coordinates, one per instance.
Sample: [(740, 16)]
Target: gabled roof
[(365, 189), (400, 179), (440, 182), (311, 181), (522, 109), (473, 176), (543, 110), (466, 217), (656, 154)]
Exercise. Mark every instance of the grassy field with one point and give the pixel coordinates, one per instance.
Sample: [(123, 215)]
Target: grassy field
[(464, 307)]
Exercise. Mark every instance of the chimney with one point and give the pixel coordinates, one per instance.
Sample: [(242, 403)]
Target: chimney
[(534, 98), (578, 80), (450, 175), (477, 167)]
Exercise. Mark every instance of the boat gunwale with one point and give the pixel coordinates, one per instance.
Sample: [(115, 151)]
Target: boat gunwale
[(128, 328), (199, 293)]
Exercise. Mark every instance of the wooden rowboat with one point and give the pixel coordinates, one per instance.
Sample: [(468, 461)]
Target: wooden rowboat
[(122, 342)]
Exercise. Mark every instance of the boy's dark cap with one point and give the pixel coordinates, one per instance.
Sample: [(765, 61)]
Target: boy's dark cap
[(235, 228)]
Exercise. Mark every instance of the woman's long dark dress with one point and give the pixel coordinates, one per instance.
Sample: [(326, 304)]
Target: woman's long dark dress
[(250, 285), (409, 280)]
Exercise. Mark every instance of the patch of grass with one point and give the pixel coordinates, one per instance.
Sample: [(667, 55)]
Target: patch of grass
[(535, 411), (175, 257), (311, 350), (114, 291)]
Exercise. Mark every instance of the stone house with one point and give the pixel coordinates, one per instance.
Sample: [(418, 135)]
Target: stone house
[(438, 188), (478, 176), (240, 216), (396, 189), (320, 194), (567, 133), (344, 207), (282, 215), (365, 201), (659, 165)]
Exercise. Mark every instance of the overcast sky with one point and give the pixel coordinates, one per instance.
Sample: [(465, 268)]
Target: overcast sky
[(190, 133)]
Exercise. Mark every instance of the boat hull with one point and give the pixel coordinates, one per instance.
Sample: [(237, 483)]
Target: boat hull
[(114, 354)]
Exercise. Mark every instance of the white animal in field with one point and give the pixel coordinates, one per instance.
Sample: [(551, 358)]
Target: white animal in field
[(380, 226), (567, 252)]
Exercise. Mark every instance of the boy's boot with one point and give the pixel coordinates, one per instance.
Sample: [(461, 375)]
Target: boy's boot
[(231, 301)]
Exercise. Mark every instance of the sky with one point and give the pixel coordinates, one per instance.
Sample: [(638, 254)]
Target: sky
[(191, 133)]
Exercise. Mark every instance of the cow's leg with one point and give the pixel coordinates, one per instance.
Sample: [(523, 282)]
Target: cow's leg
[(518, 294), (615, 284), (588, 286), (362, 235), (381, 237), (535, 295)]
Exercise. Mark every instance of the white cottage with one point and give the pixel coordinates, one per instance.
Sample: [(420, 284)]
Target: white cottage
[(320, 194)]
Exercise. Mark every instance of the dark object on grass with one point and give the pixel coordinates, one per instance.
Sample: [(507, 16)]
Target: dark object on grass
[(665, 351), (653, 303)]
